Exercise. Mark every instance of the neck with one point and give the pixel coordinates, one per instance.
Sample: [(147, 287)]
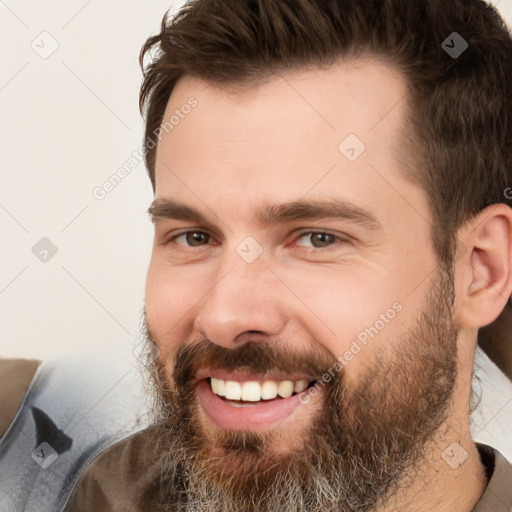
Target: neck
[(445, 480), (439, 484)]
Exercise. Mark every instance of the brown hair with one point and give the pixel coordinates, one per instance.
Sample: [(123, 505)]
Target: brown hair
[(459, 141)]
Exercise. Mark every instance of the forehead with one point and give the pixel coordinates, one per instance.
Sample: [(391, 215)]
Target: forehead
[(307, 132)]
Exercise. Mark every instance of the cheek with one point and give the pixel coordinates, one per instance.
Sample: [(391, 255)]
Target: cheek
[(350, 312), (345, 299), (171, 295)]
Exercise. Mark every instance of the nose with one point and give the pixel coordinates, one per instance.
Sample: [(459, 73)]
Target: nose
[(242, 305)]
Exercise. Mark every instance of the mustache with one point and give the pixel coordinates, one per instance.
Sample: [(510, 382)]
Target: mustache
[(254, 357)]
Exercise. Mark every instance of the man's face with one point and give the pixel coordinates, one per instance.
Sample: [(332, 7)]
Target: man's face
[(286, 251)]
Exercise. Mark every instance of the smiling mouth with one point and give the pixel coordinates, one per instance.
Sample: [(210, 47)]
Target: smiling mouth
[(250, 393), (241, 402)]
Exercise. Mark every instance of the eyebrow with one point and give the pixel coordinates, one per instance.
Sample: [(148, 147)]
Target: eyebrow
[(274, 214), (168, 209)]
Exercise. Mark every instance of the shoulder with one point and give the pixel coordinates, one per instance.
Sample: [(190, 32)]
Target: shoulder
[(16, 376), (69, 410), (115, 479), (498, 494)]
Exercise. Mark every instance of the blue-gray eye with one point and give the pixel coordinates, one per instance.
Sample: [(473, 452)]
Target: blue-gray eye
[(317, 240)]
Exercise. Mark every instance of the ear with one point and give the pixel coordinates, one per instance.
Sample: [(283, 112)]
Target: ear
[(484, 272)]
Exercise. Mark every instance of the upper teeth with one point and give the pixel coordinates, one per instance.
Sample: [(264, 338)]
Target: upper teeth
[(253, 391)]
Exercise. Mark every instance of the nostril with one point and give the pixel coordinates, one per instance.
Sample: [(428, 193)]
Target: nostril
[(251, 335)]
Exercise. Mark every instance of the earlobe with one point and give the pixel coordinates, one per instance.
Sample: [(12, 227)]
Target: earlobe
[(486, 271)]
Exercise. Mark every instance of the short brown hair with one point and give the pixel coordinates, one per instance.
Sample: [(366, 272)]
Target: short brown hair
[(459, 141)]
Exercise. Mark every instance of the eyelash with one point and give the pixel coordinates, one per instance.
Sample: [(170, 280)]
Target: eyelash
[(297, 236)]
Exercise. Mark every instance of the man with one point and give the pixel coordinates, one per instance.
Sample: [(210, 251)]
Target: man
[(331, 232)]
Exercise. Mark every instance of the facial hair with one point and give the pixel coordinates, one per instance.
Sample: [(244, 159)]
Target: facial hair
[(368, 440)]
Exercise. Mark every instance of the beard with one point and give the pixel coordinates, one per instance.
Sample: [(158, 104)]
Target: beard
[(366, 443)]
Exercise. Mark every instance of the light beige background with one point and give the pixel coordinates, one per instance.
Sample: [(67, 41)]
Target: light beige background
[(68, 122)]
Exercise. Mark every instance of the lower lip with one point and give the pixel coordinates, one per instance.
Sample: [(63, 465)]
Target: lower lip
[(264, 415)]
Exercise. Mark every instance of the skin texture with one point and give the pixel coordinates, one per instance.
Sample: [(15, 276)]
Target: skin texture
[(244, 151)]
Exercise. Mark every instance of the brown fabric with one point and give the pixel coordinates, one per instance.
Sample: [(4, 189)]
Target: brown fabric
[(113, 482), (15, 378), (496, 341)]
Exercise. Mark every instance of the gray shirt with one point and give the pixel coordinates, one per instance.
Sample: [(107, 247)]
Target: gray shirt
[(498, 494)]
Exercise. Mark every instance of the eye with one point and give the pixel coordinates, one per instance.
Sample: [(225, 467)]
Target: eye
[(317, 239), (192, 239)]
